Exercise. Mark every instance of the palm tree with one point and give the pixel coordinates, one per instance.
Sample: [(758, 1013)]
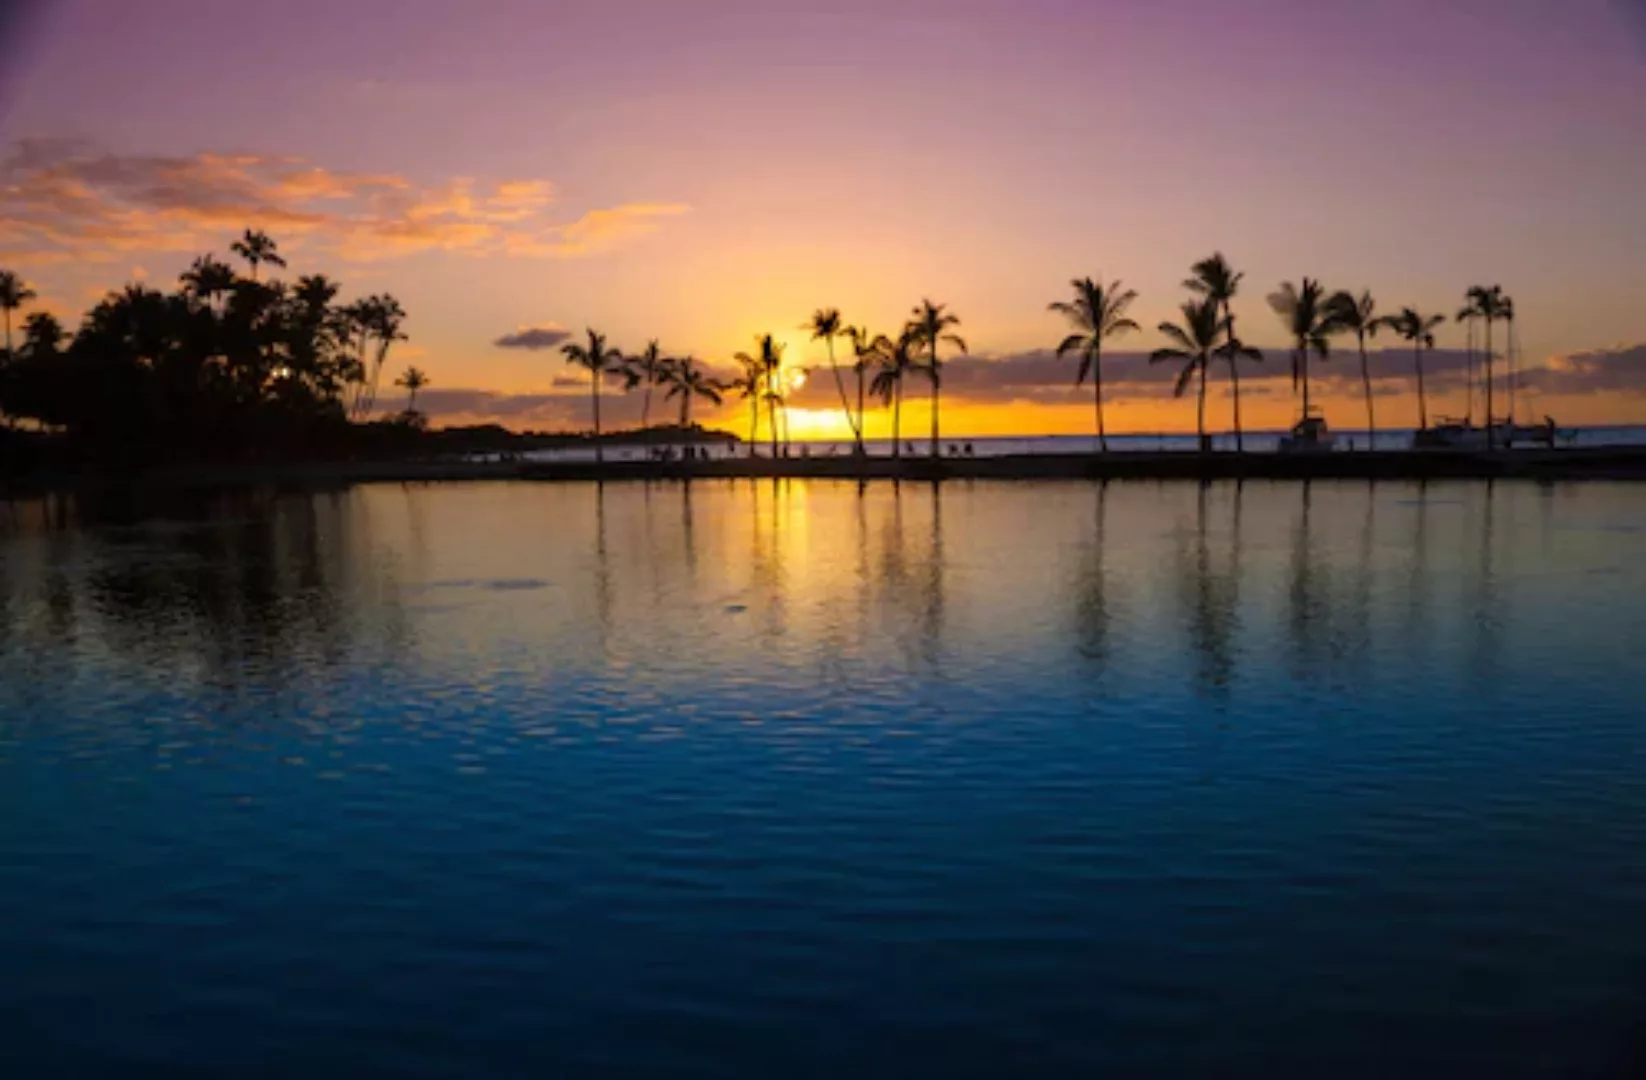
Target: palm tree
[(896, 361), (1419, 330), (13, 295), (1486, 302), (1347, 313), (378, 318), (930, 326), (1303, 311), (826, 324), (685, 381), (647, 370), (43, 335), (1216, 280), (749, 386), (257, 247), (1197, 341), (1510, 348), (412, 380), (1097, 313), (598, 360), (208, 278), (868, 350), (1467, 317), (768, 361)]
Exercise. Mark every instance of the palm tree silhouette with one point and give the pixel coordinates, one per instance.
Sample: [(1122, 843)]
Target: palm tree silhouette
[(381, 317), (896, 362), (1347, 313), (412, 380), (1303, 311), (646, 370), (826, 324), (1197, 340), (208, 278), (257, 247), (1216, 280), (598, 360), (1097, 312), (930, 326), (1486, 302), (685, 380), (868, 350), (768, 363), (13, 295), (43, 335), (1507, 312), (1419, 330), (749, 384)]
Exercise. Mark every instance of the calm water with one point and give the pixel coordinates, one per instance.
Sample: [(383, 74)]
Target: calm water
[(792, 780)]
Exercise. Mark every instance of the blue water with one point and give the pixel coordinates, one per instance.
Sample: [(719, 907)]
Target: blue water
[(801, 779)]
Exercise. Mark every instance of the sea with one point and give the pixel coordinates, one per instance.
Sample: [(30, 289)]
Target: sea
[(792, 778)]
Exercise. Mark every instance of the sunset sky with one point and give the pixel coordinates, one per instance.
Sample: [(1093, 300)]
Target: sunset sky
[(703, 170)]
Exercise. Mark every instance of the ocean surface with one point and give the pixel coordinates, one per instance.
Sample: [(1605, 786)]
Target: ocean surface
[(791, 779), (919, 444)]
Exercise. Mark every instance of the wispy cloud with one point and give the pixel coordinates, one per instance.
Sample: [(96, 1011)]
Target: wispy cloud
[(65, 199)]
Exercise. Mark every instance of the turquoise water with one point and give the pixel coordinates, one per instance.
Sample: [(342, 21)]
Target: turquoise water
[(799, 779)]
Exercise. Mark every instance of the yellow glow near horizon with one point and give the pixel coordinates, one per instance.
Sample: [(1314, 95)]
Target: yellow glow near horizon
[(818, 424)]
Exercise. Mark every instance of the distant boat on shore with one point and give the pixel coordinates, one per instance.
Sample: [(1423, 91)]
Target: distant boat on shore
[(1453, 434), (1308, 435)]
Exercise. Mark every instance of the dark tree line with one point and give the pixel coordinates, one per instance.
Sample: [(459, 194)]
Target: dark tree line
[(224, 365)]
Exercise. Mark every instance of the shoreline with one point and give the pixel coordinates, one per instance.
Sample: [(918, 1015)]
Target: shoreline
[(1590, 463)]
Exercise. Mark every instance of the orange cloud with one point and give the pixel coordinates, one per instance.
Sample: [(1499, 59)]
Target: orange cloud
[(597, 230), (63, 199)]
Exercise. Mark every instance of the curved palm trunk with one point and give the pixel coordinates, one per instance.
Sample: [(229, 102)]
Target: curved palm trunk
[(1489, 437), (1234, 379), (646, 408), (1366, 381), (594, 383), (771, 415), (754, 424), (1097, 395), (845, 403), (1469, 372), (897, 421), (1422, 404), (937, 397), (862, 421), (1303, 368), (1200, 409)]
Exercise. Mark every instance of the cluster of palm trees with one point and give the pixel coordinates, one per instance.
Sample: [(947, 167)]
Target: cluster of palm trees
[(228, 358), (1310, 315), (880, 367), (679, 377), (1200, 339)]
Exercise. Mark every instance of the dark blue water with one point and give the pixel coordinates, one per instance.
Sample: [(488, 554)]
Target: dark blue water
[(797, 780)]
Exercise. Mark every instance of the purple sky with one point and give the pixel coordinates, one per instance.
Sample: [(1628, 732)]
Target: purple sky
[(863, 154)]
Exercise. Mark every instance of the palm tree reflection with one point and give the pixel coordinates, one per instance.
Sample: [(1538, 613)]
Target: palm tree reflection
[(1212, 601), (1091, 589)]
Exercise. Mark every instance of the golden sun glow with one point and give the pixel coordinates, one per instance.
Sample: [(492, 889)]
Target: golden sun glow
[(818, 424)]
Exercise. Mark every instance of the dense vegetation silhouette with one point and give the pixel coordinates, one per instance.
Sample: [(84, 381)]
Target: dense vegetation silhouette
[(224, 366)]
